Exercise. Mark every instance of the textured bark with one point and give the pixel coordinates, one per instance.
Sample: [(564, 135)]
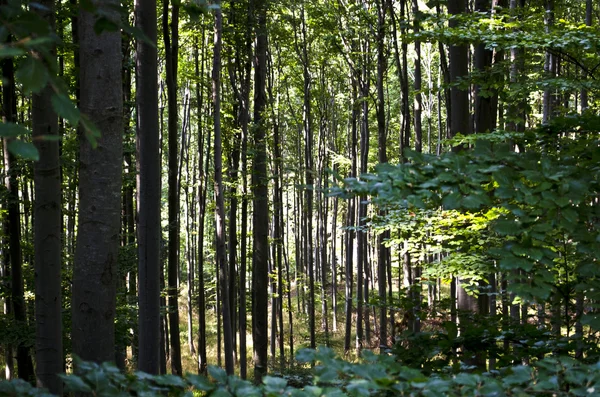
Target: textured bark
[(47, 241), (149, 190), (244, 121), (95, 272), (382, 250), (260, 219)]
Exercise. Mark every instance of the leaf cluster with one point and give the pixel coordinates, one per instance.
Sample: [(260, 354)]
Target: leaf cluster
[(377, 375)]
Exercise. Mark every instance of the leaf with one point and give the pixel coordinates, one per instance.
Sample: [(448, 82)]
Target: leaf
[(65, 108), (74, 383), (10, 52), (275, 382), (520, 374), (506, 227), (218, 374), (23, 149), (33, 75), (591, 320), (170, 380), (452, 201), (199, 382), (12, 130), (513, 262)]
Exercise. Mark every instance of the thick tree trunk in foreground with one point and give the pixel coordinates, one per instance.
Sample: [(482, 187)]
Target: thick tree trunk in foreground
[(95, 272), (148, 191)]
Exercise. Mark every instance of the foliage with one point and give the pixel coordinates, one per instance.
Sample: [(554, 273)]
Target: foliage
[(546, 218), (378, 375)]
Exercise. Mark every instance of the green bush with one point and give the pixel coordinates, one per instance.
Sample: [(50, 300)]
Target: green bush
[(373, 375)]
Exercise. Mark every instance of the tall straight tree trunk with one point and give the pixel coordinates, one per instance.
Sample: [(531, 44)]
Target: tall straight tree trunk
[(171, 39), (47, 241), (245, 119), (202, 188), (309, 179), (382, 251), (351, 220), (219, 191), (96, 253), (260, 219), (363, 269), (148, 190)]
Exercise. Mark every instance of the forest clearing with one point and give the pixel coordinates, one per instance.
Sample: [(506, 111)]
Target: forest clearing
[(303, 198)]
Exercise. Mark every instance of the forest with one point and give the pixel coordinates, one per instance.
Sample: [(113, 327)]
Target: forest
[(300, 197)]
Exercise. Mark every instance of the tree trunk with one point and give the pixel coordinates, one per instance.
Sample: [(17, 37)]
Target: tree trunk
[(382, 250), (149, 190), (95, 271), (219, 199), (171, 39), (260, 219), (47, 241)]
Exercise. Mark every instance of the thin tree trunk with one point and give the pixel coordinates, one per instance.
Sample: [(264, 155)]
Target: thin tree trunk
[(171, 40), (219, 199), (260, 219), (202, 192), (382, 250)]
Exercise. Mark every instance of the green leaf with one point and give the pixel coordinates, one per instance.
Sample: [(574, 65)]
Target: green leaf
[(32, 74), (65, 108), (513, 262), (12, 130), (23, 149), (10, 52), (199, 382), (218, 374), (74, 383), (452, 201), (506, 227), (170, 380), (520, 374)]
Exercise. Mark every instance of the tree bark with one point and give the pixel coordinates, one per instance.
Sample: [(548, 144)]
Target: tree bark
[(47, 240), (260, 219), (149, 190), (95, 271), (171, 39), (219, 199)]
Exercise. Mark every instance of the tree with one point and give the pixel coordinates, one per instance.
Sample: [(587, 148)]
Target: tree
[(148, 190), (219, 191), (260, 219), (47, 239), (95, 270), (171, 39)]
